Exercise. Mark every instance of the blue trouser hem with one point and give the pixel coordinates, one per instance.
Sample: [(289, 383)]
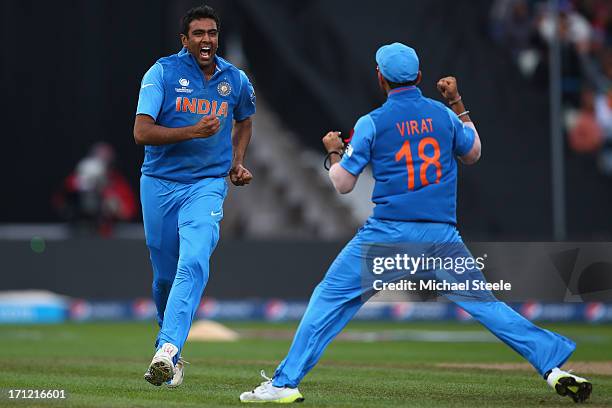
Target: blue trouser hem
[(559, 364)]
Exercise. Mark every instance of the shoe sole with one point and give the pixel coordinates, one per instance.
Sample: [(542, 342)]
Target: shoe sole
[(159, 372), (578, 391)]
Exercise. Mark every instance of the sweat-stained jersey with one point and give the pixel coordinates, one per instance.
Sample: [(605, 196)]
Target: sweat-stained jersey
[(175, 93), (411, 143)]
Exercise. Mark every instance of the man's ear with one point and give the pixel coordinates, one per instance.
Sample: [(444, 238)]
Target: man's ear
[(184, 40), (419, 78), (382, 81)]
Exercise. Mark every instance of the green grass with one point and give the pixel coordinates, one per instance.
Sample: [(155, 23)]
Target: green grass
[(101, 365)]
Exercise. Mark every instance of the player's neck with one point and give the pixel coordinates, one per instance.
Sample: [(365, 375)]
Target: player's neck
[(209, 70)]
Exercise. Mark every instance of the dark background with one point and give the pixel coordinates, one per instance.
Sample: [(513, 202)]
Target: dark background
[(71, 71)]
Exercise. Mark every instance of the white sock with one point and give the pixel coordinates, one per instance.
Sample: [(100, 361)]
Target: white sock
[(553, 374), (169, 348)]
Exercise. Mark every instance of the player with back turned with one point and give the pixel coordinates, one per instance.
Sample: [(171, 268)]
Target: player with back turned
[(189, 103), (411, 143)]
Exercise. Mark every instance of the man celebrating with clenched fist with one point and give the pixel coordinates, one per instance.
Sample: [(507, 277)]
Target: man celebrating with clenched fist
[(188, 106), (411, 143)]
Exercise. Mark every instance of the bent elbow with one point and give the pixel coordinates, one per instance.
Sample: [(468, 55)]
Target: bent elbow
[(343, 188), (471, 158), (138, 136), (474, 154), (343, 181)]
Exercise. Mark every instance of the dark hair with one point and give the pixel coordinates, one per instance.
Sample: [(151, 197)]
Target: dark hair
[(394, 85), (198, 13)]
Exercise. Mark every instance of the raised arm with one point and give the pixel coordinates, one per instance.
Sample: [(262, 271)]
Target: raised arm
[(448, 88)]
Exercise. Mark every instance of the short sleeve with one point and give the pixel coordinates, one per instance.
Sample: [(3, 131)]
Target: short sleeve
[(358, 152), (151, 96), (463, 136), (246, 100)]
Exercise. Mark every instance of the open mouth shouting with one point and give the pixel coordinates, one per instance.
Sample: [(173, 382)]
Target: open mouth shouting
[(206, 52)]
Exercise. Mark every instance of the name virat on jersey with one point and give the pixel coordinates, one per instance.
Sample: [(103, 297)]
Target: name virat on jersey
[(412, 127)]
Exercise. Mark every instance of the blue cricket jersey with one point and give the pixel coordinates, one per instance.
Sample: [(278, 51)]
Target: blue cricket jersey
[(411, 143), (175, 93)]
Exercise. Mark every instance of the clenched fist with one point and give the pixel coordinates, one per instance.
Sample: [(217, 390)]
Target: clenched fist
[(448, 88), (207, 126), (332, 142), (240, 175)]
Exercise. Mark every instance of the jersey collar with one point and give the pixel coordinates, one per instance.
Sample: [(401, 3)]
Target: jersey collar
[(405, 92)]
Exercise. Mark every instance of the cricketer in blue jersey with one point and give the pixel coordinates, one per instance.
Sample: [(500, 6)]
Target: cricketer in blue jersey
[(189, 104), (411, 143)]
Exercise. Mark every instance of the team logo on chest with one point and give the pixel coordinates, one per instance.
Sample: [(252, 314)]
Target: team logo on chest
[(224, 88), (184, 83)]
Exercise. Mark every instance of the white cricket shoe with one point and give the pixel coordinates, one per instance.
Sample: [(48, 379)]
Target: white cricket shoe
[(178, 374), (266, 392), (565, 383), (161, 368)]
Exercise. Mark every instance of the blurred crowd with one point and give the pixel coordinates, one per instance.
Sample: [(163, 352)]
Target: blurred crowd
[(95, 195), (526, 28)]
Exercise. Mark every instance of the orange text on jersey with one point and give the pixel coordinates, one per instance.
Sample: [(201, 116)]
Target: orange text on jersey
[(200, 106), (415, 127)]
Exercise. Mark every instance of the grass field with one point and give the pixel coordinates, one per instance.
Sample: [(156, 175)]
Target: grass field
[(101, 365)]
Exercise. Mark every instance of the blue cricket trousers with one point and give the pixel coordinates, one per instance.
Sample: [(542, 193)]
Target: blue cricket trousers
[(342, 292), (181, 223)]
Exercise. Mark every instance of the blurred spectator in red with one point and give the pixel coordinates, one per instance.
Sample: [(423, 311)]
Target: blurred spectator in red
[(584, 33), (586, 135), (95, 194)]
